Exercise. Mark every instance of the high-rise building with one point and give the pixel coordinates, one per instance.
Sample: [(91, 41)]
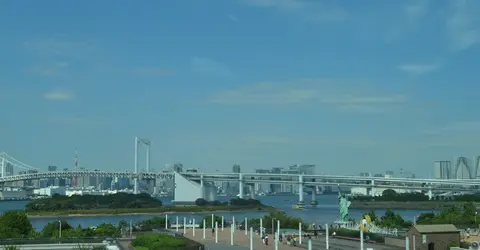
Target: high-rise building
[(442, 170), (52, 168), (236, 168), (8, 169)]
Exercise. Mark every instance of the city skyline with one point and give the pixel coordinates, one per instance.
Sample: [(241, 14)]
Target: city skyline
[(261, 84)]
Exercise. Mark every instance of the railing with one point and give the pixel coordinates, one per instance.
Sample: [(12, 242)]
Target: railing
[(373, 229)]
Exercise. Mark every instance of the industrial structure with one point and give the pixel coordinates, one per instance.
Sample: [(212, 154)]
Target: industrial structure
[(464, 168)]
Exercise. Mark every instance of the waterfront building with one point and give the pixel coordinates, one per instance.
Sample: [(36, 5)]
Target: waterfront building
[(50, 191)]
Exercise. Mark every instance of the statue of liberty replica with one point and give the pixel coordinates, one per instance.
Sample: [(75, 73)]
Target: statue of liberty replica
[(343, 205)]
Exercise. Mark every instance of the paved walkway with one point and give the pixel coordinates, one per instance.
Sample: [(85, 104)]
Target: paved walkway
[(242, 242)]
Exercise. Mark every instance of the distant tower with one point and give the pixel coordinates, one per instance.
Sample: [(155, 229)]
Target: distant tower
[(75, 166)]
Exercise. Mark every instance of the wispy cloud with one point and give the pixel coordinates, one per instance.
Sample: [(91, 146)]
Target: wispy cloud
[(306, 10), (49, 69), (336, 93), (418, 69), (463, 24), (209, 67), (153, 71), (58, 96), (410, 20)]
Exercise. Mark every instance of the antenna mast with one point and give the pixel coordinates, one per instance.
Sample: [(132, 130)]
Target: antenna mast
[(75, 166)]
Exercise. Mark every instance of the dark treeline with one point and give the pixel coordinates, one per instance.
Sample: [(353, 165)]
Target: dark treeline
[(391, 195)]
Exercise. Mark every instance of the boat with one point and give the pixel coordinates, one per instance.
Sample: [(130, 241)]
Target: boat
[(298, 207)]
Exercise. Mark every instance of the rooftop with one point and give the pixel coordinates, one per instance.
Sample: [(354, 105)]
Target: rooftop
[(441, 228)]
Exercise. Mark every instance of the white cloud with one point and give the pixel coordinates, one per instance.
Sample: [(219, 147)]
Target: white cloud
[(418, 69), (463, 24), (209, 67), (58, 96), (347, 95), (310, 11), (410, 19), (50, 70)]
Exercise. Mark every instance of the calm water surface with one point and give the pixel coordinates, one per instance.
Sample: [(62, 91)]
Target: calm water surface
[(325, 212)]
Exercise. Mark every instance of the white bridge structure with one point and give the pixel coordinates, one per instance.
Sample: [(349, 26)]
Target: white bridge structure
[(190, 186)]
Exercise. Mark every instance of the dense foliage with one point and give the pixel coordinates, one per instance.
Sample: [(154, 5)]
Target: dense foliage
[(389, 220), (342, 232), (465, 215), (89, 202), (15, 224), (392, 195), (286, 221), (202, 202), (233, 202), (208, 221), (153, 223), (163, 242)]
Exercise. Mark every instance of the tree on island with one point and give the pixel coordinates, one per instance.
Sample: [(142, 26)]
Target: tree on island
[(89, 202)]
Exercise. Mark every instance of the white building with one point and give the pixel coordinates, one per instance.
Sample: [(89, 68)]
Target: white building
[(49, 191), (378, 191)]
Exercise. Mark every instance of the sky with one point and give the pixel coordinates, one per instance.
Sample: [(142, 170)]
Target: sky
[(350, 86)]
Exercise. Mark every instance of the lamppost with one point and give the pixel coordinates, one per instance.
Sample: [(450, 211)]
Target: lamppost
[(273, 226), (59, 229)]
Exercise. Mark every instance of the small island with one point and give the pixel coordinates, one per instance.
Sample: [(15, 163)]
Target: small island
[(126, 203), (414, 200)]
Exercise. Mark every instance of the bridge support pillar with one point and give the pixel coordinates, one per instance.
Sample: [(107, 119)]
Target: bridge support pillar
[(300, 191), (2, 164), (240, 186), (372, 189), (252, 191), (202, 186), (314, 196)]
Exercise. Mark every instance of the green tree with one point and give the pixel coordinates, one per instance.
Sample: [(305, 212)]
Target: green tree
[(107, 229), (15, 224), (208, 221), (52, 228), (373, 216), (389, 193)]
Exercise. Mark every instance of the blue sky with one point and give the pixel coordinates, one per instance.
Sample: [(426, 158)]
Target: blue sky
[(347, 85)]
